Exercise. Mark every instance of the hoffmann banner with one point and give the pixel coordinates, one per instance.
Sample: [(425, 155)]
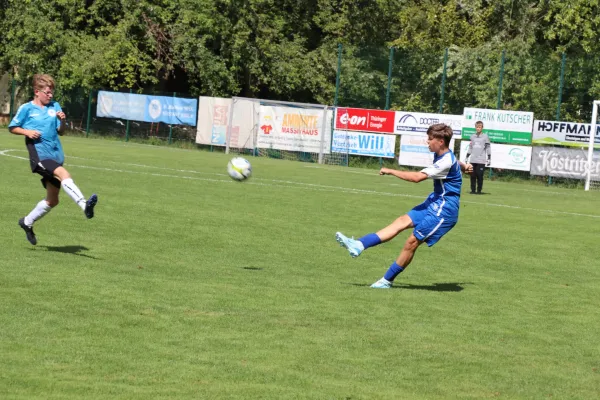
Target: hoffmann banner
[(513, 127), (411, 123), (504, 156), (294, 129), (564, 133), (364, 120)]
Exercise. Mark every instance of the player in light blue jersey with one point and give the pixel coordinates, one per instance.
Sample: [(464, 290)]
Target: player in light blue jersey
[(431, 219), (41, 121)]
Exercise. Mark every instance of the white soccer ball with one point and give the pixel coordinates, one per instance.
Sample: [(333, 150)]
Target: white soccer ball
[(239, 169)]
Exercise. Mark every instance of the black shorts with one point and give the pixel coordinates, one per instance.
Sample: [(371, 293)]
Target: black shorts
[(46, 169)]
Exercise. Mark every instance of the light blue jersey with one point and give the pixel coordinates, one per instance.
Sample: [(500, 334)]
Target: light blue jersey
[(438, 214), (42, 119)]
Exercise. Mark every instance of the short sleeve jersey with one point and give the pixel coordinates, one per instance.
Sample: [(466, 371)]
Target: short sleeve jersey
[(447, 181), (42, 119)]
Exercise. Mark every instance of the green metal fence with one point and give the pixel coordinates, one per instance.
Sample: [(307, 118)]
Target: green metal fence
[(397, 79)]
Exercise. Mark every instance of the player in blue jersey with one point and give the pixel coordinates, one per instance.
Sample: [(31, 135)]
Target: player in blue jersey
[(41, 121), (431, 219)]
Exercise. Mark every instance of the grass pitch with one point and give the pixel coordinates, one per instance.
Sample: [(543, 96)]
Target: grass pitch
[(187, 284)]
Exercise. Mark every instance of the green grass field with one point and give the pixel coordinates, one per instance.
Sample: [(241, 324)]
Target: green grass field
[(190, 285)]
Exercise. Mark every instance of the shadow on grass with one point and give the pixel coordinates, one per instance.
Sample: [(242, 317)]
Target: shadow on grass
[(252, 268), (75, 250), (435, 287)]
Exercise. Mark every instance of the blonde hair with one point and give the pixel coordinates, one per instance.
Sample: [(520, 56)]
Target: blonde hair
[(42, 81), (440, 131)]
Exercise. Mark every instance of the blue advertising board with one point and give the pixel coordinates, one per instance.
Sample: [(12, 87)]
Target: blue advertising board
[(145, 108)]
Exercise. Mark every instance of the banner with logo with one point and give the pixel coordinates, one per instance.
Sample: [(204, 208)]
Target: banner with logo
[(513, 127), (414, 151), (504, 156), (564, 163), (294, 129), (144, 108), (213, 120), (564, 133), (364, 120), (364, 144), (411, 123)]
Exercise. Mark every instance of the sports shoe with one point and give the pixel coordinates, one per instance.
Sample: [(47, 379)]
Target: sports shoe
[(382, 284), (28, 231), (89, 206), (355, 247)]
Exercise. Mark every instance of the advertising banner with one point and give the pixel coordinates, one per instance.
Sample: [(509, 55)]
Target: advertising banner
[(411, 123), (213, 120), (364, 120), (512, 127), (564, 163), (504, 156), (294, 129), (564, 133), (144, 108), (364, 144), (415, 152)]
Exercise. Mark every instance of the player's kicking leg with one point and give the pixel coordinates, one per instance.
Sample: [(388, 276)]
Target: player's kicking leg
[(356, 246), (70, 188)]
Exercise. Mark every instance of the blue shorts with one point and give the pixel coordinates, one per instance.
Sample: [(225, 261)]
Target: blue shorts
[(430, 227)]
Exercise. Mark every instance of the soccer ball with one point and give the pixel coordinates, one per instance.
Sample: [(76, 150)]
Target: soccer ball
[(239, 169)]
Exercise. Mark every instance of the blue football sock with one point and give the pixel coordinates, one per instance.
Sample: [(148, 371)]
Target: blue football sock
[(370, 240), (393, 272)]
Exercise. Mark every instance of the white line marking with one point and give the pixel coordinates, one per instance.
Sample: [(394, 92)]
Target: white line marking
[(349, 170), (292, 184)]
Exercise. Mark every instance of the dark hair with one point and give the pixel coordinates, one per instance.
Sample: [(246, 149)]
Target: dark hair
[(479, 122), (440, 131)]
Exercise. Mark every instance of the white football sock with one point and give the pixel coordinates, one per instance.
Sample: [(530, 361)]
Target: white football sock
[(73, 191), (42, 208)]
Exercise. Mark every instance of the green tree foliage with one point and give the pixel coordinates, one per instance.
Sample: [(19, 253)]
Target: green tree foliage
[(288, 49)]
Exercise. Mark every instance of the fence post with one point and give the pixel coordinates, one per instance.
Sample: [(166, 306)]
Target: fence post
[(443, 81), (89, 115), (171, 126), (499, 104), (13, 88), (561, 85), (389, 88), (335, 99), (127, 127), (389, 81)]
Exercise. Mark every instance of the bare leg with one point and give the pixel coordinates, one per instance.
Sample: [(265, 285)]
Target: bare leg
[(393, 229), (52, 195), (408, 251)]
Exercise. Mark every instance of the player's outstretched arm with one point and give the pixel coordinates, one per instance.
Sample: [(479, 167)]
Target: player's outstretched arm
[(410, 176), (468, 168)]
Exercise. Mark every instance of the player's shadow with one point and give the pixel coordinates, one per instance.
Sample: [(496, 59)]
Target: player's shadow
[(435, 287), (75, 250)]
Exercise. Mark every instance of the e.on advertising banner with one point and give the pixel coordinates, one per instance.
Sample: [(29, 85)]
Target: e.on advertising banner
[(504, 156), (513, 127), (364, 120), (414, 151), (293, 129), (213, 120)]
